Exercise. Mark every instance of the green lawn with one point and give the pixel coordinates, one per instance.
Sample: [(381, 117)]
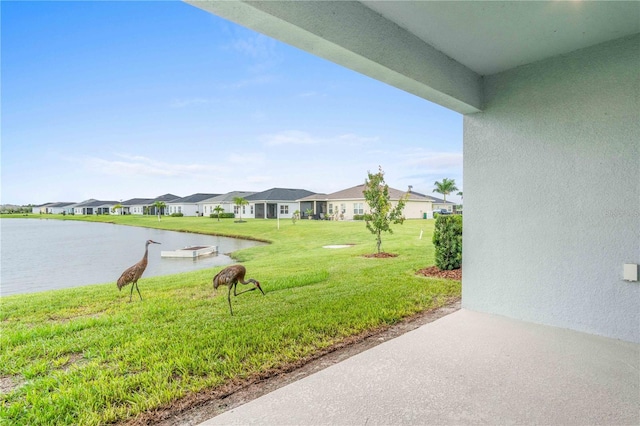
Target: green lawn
[(87, 356)]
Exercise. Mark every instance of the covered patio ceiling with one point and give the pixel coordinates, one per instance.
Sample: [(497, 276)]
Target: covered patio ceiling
[(438, 50)]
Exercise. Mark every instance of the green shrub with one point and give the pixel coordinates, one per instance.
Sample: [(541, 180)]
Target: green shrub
[(177, 214), (447, 240), (222, 215)]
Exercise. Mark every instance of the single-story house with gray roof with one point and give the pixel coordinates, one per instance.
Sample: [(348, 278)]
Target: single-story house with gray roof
[(41, 208), (277, 202), (142, 206), (190, 205), (226, 201), (134, 206), (92, 206), (61, 208)]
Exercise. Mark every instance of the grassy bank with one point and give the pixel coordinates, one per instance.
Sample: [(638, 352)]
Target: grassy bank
[(87, 356)]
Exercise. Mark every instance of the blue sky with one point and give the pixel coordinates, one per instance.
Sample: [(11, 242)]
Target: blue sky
[(118, 100)]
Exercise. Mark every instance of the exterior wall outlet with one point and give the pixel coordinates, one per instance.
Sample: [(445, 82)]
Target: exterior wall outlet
[(630, 272)]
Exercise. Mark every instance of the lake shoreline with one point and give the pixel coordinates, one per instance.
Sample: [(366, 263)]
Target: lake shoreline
[(77, 252)]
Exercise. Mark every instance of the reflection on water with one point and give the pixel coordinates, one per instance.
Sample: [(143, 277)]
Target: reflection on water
[(46, 254)]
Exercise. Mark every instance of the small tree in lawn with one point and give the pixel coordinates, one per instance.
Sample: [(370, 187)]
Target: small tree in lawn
[(159, 205), (382, 213), (239, 201), (218, 210)]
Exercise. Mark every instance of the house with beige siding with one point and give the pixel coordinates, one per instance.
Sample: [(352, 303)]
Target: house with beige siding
[(345, 204)]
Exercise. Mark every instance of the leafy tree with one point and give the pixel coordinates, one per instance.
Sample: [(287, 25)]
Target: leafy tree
[(239, 201), (296, 216), (446, 187), (218, 210), (382, 213), (447, 240), (159, 205), (116, 207)]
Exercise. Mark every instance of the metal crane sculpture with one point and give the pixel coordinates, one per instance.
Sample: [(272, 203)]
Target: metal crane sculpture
[(132, 275), (230, 276)]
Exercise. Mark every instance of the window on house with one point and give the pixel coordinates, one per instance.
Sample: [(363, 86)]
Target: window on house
[(235, 209), (243, 210), (343, 208), (251, 209), (358, 208), (284, 209), (330, 208)]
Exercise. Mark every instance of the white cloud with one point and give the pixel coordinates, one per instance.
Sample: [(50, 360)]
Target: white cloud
[(311, 95), (246, 159), (296, 137), (248, 82), (140, 166), (289, 137), (183, 103), (435, 161), (256, 46)]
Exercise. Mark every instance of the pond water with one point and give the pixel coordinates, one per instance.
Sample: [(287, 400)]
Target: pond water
[(47, 254)]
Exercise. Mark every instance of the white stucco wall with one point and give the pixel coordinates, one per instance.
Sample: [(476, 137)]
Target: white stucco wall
[(547, 240)]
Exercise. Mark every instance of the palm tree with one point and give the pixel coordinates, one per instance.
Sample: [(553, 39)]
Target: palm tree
[(460, 194), (239, 201), (446, 187), (218, 210), (159, 205)]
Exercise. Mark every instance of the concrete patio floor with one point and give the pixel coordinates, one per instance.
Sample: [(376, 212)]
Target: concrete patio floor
[(465, 368)]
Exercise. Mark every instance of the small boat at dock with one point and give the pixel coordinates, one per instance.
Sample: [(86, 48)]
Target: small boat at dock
[(190, 252)]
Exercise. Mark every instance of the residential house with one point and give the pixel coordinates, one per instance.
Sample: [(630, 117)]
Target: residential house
[(142, 206), (190, 205), (227, 203), (91, 206), (549, 97), (347, 203), (135, 206), (166, 198), (61, 208), (277, 202), (40, 209)]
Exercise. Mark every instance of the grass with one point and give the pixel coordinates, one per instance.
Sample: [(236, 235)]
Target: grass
[(87, 356)]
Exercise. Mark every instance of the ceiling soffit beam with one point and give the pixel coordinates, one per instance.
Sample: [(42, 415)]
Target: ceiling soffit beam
[(352, 35)]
